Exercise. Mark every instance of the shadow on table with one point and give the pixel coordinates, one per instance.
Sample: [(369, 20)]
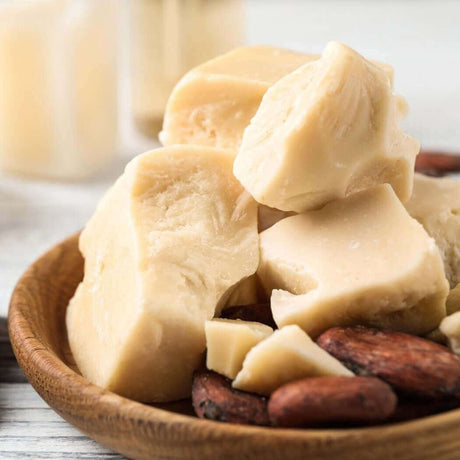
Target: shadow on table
[(9, 369)]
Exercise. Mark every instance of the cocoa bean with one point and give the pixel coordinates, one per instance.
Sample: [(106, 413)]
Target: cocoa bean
[(322, 401), (411, 365), (436, 163), (213, 398)]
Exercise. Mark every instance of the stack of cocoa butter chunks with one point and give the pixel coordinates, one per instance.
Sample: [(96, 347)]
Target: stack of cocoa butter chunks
[(282, 237), (315, 156)]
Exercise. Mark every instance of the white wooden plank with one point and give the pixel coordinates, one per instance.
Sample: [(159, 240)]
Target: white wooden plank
[(31, 416), (20, 396), (29, 428), (38, 429), (4, 455), (65, 445)]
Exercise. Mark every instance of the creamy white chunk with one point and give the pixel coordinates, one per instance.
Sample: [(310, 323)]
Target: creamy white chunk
[(286, 355), (214, 103), (228, 341), (435, 203), (323, 132), (359, 260), (167, 242)]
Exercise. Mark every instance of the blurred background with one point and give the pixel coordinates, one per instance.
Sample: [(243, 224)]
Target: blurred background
[(83, 86)]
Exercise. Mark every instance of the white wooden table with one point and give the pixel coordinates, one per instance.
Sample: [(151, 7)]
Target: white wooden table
[(422, 40), (28, 427)]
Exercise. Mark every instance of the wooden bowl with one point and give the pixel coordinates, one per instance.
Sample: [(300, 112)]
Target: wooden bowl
[(38, 335)]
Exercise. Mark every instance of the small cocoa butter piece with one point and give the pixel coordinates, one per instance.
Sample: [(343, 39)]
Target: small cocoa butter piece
[(214, 398), (260, 312), (412, 365), (320, 401)]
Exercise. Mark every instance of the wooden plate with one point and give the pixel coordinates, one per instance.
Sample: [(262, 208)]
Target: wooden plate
[(38, 335)]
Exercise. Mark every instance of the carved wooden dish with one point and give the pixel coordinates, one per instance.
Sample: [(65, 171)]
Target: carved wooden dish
[(38, 335)]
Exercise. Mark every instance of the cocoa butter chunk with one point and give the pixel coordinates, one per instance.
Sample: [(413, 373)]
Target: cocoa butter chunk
[(260, 313), (167, 242), (327, 130), (214, 103), (435, 203), (229, 340), (448, 331), (412, 365), (450, 328), (286, 355), (331, 400), (247, 292), (359, 260), (453, 300), (213, 398)]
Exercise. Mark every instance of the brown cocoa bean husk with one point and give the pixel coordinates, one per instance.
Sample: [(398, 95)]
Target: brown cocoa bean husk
[(322, 401), (214, 398), (412, 365), (413, 409)]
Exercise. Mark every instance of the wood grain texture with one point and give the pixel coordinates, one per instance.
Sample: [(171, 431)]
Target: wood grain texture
[(37, 332), (29, 429)]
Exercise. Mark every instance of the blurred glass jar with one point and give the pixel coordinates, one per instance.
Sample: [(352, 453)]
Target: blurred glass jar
[(168, 38), (58, 86)]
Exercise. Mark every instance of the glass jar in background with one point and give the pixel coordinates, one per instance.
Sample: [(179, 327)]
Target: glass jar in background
[(168, 38), (58, 86)]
